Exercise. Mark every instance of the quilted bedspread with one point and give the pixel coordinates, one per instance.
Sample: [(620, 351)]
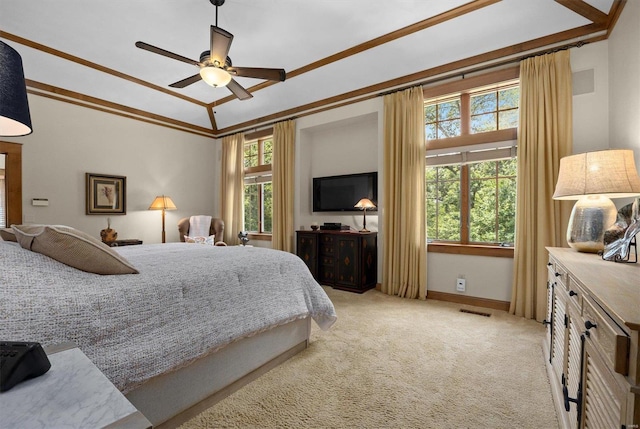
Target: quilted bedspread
[(189, 300)]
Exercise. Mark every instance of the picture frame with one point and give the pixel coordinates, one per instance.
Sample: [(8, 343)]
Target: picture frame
[(106, 194)]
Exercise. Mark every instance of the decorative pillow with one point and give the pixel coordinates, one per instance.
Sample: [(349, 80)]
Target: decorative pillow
[(210, 240), (7, 234), (72, 247)]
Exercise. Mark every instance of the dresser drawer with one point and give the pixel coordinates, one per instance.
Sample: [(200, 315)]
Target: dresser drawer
[(607, 336)]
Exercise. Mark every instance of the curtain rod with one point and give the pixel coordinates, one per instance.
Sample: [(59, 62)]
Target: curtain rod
[(517, 60)]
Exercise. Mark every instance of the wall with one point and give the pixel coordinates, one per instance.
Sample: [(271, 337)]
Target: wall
[(69, 141), (624, 69)]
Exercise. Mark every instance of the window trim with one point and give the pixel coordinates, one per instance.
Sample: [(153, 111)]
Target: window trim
[(465, 87), (259, 175)]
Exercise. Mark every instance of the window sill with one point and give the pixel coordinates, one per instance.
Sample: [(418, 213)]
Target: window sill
[(260, 236), (471, 249)]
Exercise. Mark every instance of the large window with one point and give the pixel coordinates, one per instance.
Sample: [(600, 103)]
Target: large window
[(470, 180), (472, 203), (258, 194)]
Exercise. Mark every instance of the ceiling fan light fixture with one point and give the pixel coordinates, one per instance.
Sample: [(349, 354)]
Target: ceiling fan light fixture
[(215, 76)]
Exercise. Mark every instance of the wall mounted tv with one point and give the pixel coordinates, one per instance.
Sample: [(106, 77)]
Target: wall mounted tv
[(341, 193)]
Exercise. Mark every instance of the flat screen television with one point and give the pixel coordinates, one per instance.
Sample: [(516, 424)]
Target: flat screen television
[(341, 193)]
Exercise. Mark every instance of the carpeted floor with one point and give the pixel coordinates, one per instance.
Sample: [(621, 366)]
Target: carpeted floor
[(398, 363)]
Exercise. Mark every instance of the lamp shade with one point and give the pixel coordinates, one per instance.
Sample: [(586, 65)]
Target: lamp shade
[(215, 76), (162, 202), (15, 119), (365, 203), (608, 173)]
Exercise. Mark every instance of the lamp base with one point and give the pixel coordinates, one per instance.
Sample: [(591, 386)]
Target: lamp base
[(364, 230), (590, 218)]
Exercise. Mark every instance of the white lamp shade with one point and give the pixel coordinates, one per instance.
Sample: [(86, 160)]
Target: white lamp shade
[(215, 76), (365, 203), (162, 202), (609, 173)]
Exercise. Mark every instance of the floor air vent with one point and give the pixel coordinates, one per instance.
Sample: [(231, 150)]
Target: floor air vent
[(479, 313)]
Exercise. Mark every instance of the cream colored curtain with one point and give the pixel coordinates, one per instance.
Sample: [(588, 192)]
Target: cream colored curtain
[(284, 139), (545, 136), (405, 254), (232, 187)]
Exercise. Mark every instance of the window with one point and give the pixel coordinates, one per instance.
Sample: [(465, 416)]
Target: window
[(258, 195), (470, 179)]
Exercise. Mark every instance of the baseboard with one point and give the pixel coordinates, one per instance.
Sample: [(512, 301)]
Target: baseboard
[(469, 300)]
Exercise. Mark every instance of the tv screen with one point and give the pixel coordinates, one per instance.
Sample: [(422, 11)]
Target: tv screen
[(341, 193)]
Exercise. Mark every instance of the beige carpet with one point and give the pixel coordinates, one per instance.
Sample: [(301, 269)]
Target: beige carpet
[(397, 363)]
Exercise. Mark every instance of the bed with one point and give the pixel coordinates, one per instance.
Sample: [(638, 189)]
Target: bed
[(195, 321)]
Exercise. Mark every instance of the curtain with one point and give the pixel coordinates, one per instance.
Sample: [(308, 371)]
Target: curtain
[(405, 254), (545, 136), (232, 187), (284, 136)]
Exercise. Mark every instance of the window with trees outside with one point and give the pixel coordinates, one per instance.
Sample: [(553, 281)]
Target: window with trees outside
[(258, 195), (470, 179)]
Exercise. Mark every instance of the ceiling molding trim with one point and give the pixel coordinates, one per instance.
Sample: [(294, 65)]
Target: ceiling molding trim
[(378, 41), (614, 14), (482, 62), (71, 97), (98, 67)]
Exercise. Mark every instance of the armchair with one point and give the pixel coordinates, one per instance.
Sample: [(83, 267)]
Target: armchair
[(217, 228)]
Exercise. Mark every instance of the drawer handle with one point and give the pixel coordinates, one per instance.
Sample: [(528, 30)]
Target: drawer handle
[(572, 293), (558, 274), (549, 264), (589, 324)]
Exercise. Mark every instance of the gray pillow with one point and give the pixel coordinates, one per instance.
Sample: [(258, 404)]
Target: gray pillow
[(72, 247)]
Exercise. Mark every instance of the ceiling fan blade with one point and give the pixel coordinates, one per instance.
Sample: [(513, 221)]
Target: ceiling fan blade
[(238, 90), (186, 82), (220, 44), (160, 51), (259, 73)]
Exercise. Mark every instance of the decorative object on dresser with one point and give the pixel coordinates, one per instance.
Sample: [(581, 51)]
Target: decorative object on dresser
[(15, 119), (163, 203), (343, 260), (593, 178), (591, 345), (364, 204), (621, 237)]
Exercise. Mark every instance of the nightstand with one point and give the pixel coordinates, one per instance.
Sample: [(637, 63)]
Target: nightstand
[(72, 394), (128, 242)]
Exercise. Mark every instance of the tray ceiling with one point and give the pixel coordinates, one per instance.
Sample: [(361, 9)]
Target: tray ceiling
[(334, 52)]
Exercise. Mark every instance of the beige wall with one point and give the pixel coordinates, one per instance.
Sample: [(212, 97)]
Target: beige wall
[(69, 141)]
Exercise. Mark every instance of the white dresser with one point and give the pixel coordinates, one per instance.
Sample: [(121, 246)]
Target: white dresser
[(592, 340), (72, 394)]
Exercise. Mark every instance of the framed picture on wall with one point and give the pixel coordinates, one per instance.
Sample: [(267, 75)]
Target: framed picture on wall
[(106, 194)]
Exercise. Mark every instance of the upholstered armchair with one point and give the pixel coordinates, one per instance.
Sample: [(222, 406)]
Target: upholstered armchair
[(217, 228)]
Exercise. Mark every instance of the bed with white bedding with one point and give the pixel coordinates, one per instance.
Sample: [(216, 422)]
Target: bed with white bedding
[(190, 306)]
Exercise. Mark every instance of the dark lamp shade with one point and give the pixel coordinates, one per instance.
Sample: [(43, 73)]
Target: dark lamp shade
[(14, 107)]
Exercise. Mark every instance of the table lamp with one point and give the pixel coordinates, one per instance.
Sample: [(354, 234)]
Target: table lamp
[(15, 119), (593, 178), (364, 204), (162, 203)]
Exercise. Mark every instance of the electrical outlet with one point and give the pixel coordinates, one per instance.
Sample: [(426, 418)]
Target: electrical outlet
[(461, 285)]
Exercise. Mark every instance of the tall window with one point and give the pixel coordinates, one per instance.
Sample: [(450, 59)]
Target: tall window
[(471, 171), (258, 194)]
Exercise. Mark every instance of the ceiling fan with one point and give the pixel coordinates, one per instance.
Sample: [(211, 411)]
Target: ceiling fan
[(215, 66)]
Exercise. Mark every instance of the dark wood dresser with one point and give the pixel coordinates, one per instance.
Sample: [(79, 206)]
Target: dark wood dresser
[(341, 259)]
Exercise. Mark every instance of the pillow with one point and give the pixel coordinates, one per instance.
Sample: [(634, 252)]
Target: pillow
[(210, 240), (73, 248), (7, 234)]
